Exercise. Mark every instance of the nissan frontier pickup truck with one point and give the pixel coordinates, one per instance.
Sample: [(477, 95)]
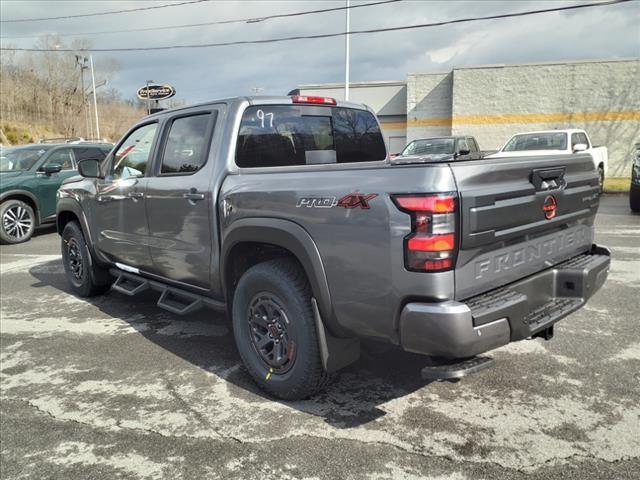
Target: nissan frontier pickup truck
[(286, 213)]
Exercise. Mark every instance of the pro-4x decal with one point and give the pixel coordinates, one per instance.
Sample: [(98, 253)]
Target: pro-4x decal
[(351, 200)]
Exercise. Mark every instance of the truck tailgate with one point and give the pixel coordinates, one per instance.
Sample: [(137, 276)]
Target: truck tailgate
[(520, 215)]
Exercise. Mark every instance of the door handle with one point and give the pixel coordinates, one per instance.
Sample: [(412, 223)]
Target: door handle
[(193, 195), (105, 198), (135, 195)]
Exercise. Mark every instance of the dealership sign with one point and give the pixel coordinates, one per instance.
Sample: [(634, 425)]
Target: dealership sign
[(156, 92)]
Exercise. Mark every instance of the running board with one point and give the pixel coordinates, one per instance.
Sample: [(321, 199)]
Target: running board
[(172, 299), (457, 368)]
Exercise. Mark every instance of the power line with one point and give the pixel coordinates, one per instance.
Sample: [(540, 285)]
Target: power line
[(324, 35), (112, 12), (219, 22)]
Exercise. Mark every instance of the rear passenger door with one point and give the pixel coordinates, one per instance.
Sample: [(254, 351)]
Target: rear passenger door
[(46, 186), (180, 209)]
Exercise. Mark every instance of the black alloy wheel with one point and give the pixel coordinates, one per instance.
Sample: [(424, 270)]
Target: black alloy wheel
[(270, 332)]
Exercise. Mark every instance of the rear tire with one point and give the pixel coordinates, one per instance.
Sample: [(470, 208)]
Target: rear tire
[(634, 199), (17, 221), (601, 178), (85, 277), (273, 302)]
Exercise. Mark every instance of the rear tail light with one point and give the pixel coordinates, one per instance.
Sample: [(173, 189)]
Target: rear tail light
[(432, 244), (314, 100)]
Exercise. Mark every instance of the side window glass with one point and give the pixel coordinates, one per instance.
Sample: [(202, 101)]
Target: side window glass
[(133, 155), (583, 139), (463, 145), (473, 145), (62, 157), (85, 153), (186, 148), (574, 140)]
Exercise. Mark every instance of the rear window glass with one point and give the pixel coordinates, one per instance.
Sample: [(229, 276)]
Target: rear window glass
[(430, 146), (537, 141), (284, 135)]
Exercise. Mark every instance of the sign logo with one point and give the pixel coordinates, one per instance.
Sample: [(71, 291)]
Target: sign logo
[(156, 92), (550, 207)]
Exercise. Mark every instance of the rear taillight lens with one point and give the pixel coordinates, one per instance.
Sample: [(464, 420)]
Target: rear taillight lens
[(432, 244)]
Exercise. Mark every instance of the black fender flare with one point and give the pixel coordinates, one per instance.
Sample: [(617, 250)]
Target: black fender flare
[(291, 236), (26, 193)]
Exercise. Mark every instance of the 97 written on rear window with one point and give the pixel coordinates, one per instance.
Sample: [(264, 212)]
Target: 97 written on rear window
[(286, 135)]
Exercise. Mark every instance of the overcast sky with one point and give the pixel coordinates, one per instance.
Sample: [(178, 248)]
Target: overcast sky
[(208, 73)]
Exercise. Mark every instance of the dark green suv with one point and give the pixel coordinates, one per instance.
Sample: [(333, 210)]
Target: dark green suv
[(30, 176)]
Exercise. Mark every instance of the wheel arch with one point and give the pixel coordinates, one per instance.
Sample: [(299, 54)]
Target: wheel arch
[(253, 240), (69, 210), (24, 196)]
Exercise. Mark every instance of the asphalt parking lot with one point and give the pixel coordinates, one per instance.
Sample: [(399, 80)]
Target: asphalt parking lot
[(117, 388)]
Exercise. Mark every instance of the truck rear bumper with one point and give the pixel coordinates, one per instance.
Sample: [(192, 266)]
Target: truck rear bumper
[(513, 312)]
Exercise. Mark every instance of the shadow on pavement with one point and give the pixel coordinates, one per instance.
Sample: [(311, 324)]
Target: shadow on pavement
[(353, 399)]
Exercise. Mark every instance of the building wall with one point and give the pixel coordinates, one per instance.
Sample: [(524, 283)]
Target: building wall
[(601, 97), (494, 102), (429, 104)]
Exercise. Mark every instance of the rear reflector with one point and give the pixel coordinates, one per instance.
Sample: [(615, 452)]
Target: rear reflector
[(315, 100), (438, 264)]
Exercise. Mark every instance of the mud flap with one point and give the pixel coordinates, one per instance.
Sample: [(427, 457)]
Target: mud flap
[(336, 353)]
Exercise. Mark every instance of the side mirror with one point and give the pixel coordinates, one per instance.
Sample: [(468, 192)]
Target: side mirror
[(464, 151), (89, 168), (579, 147), (51, 168)]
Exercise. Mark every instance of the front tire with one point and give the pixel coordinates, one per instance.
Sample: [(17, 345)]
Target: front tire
[(17, 222), (85, 277), (601, 178), (275, 330)]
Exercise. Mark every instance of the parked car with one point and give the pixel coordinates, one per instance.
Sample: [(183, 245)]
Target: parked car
[(440, 149), (634, 191), (29, 178), (286, 213), (564, 142)]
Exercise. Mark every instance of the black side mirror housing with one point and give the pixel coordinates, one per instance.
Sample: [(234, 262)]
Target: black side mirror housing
[(89, 168), (51, 168), (464, 151)]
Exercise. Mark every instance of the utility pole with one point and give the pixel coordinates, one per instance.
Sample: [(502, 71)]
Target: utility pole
[(95, 100), (346, 55), (82, 63)]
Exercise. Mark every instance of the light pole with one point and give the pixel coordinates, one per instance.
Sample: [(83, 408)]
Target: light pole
[(346, 55), (148, 99), (95, 100)]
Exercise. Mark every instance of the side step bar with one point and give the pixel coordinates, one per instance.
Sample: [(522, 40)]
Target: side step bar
[(175, 300), (130, 286), (457, 368)]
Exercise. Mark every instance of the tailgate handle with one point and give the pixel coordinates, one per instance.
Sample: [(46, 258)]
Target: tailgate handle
[(548, 179)]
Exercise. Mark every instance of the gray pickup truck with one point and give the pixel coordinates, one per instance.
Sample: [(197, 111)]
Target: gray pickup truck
[(286, 213)]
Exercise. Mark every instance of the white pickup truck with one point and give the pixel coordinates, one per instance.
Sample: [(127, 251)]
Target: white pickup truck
[(553, 142)]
